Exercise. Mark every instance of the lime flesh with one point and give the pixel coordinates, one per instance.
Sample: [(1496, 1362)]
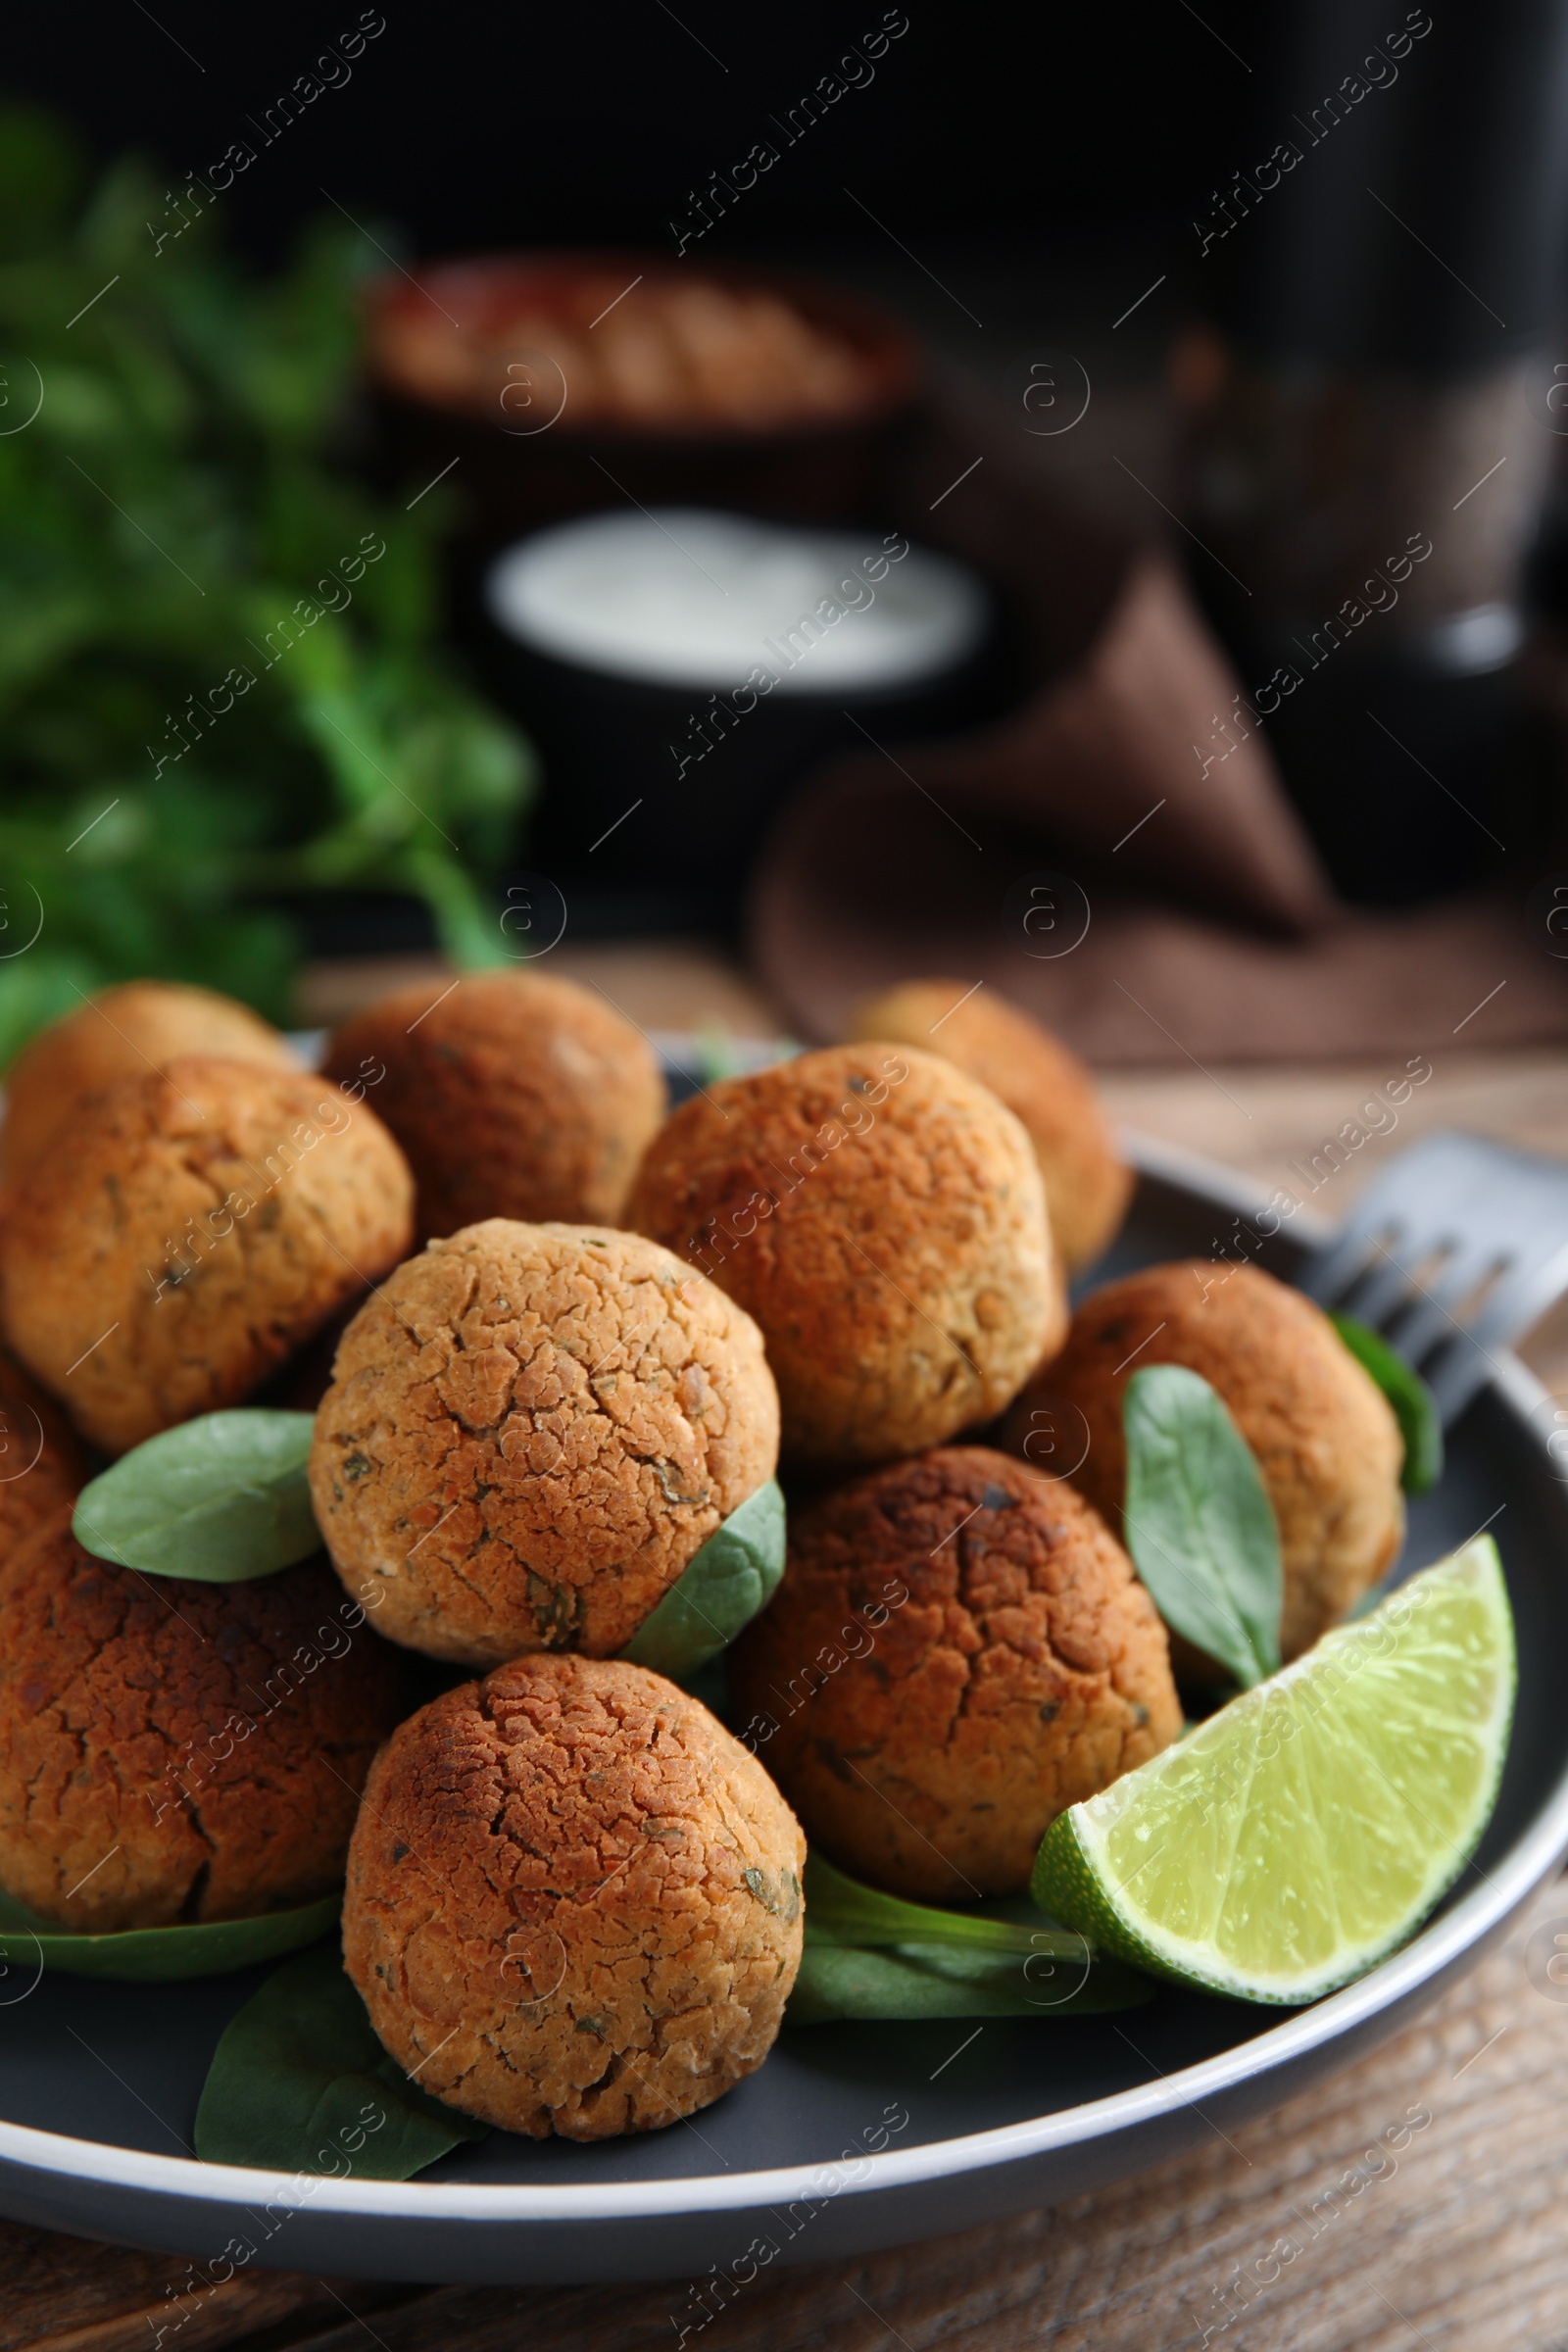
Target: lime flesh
[(1306, 1829)]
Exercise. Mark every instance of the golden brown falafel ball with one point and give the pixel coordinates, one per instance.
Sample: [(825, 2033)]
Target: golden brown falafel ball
[(958, 1650), (41, 1464), (185, 1232), (530, 1429), (1324, 1434), (1087, 1184), (882, 1216), (573, 1901), (123, 1032), (172, 1750), (514, 1095)]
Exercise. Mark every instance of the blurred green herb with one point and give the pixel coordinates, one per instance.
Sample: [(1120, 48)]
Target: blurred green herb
[(215, 693)]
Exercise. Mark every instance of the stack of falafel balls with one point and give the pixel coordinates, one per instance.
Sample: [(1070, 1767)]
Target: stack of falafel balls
[(553, 1339)]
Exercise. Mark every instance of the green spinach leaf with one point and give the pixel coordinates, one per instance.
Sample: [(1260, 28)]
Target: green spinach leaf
[(1200, 1523), (205, 1947), (298, 2084), (840, 1910), (720, 1590), (873, 1955), (223, 1499), (1415, 1408), (914, 1981)]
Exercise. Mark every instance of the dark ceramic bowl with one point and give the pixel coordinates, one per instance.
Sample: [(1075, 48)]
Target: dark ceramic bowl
[(100, 2081), (519, 462), (644, 781)]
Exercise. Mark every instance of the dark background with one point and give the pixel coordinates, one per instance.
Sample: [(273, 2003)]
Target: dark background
[(1011, 180), (1041, 130)]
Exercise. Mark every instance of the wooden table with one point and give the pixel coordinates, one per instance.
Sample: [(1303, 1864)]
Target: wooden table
[(1462, 2242)]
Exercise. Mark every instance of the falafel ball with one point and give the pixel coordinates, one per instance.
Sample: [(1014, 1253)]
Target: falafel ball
[(958, 1650), (41, 1464), (1088, 1186), (514, 1095), (123, 1032), (1325, 1437), (172, 1750), (186, 1230), (882, 1216), (530, 1429), (573, 1901)]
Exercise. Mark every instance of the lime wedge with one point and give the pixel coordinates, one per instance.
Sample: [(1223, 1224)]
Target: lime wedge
[(1306, 1829)]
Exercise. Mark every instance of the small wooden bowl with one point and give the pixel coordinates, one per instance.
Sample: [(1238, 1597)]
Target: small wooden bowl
[(449, 382)]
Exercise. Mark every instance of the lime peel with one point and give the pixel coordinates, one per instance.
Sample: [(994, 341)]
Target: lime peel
[(1306, 1830)]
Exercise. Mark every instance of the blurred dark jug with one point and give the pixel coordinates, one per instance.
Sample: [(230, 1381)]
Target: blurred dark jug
[(1371, 409)]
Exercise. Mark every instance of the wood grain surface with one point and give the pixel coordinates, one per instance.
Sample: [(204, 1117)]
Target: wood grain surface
[(1344, 2223)]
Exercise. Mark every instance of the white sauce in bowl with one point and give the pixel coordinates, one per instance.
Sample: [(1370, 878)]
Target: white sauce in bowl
[(693, 599)]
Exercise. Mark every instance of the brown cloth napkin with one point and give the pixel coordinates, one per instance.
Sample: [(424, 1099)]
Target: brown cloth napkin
[(1213, 932)]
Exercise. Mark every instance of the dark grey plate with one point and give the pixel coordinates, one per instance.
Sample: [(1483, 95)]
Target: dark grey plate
[(851, 2137)]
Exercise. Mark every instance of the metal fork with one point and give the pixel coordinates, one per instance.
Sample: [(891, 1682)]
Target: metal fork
[(1451, 1255)]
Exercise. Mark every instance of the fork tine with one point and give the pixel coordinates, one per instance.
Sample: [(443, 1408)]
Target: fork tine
[(1488, 1206), (1333, 1273), (1387, 1285), (1470, 1357), (1522, 1298), (1431, 1314)]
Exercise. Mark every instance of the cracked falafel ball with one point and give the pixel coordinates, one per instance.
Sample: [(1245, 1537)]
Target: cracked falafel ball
[(186, 1231), (514, 1094), (1087, 1184), (958, 1650), (1323, 1433), (123, 1032), (882, 1216), (573, 1901), (530, 1429), (172, 1750)]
